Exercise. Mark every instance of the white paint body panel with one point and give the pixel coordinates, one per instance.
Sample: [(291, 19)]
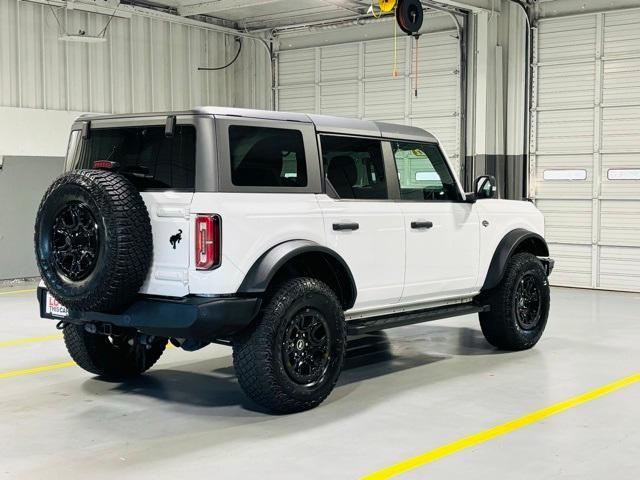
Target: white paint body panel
[(375, 252), (253, 223), (395, 267), (169, 214), (503, 216), (443, 265), (444, 259)]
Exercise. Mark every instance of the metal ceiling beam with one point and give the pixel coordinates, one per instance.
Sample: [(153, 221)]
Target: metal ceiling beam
[(352, 6), (216, 7), (476, 6)]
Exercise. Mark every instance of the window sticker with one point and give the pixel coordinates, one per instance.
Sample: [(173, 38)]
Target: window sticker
[(418, 153)]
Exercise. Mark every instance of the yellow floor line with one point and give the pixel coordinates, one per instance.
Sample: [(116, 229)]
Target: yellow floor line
[(45, 368), (486, 435), (28, 371), (11, 292), (22, 341)]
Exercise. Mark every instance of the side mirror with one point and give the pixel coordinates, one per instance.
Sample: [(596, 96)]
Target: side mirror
[(485, 187)]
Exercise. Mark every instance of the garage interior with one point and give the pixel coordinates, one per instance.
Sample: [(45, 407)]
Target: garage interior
[(542, 94)]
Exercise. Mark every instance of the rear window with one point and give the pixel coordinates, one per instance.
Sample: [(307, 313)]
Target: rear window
[(267, 157), (145, 155)]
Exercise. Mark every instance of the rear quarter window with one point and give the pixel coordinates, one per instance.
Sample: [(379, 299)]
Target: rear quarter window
[(267, 157), (151, 160)]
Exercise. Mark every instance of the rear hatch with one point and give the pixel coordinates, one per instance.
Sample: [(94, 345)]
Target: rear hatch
[(162, 167)]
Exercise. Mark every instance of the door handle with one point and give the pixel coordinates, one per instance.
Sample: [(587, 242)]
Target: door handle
[(345, 226), (420, 225)]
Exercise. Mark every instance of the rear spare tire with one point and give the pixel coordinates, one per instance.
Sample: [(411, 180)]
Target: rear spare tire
[(93, 240)]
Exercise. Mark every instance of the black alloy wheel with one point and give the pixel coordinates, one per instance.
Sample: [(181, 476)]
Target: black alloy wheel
[(528, 302), (75, 241), (290, 358), (305, 347), (519, 305), (93, 241)]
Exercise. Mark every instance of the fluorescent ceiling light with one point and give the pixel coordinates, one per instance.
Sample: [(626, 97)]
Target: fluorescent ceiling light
[(81, 38)]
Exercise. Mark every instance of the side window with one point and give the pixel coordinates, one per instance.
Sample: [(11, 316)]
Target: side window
[(267, 157), (423, 172), (354, 167)]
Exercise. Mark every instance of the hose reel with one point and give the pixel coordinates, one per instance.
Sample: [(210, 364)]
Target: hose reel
[(409, 16)]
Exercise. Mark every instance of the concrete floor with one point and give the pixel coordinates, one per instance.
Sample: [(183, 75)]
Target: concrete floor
[(403, 392)]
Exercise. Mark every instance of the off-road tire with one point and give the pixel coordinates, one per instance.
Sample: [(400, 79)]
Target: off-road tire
[(500, 325), (125, 248), (258, 352), (111, 357)]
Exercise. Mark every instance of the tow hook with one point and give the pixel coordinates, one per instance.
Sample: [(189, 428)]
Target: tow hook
[(101, 328)]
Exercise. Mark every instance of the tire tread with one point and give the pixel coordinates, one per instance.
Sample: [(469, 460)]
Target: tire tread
[(253, 352), (129, 253), (499, 325)]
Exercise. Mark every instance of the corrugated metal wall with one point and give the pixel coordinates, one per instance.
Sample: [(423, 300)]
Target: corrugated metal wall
[(586, 148), (354, 80), (146, 64)]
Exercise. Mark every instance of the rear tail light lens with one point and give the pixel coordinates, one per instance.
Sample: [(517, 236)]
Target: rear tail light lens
[(105, 165), (208, 238)]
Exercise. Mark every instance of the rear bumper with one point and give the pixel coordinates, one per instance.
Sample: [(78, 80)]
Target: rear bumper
[(198, 318)]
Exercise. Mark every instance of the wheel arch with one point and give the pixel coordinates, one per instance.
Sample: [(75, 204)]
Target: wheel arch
[(304, 258), (516, 241)]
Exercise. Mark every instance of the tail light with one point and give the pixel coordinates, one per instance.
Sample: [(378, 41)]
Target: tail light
[(208, 239), (105, 165)]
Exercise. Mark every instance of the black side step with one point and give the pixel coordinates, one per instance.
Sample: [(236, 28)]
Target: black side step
[(358, 327)]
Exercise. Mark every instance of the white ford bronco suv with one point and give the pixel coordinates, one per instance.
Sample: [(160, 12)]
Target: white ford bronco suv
[(278, 234)]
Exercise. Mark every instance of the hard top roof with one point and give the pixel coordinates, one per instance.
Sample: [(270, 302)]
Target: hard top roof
[(322, 123)]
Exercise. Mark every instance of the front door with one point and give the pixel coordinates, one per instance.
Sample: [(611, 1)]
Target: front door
[(442, 232), (361, 223)]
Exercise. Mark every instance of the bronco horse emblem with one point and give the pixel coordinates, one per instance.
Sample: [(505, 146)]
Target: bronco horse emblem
[(175, 239)]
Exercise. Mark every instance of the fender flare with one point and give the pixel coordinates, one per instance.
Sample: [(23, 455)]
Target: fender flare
[(257, 279), (506, 248)]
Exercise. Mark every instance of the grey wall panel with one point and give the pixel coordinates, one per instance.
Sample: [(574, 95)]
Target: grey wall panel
[(23, 181)]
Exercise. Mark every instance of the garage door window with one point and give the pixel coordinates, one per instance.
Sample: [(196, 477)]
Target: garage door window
[(558, 174), (623, 174), (267, 157)]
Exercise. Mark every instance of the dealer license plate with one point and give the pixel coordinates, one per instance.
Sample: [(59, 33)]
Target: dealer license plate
[(55, 308)]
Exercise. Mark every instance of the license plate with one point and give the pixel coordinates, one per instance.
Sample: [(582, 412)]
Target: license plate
[(55, 308)]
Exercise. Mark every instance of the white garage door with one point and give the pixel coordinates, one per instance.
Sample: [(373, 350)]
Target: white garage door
[(354, 80), (585, 164)]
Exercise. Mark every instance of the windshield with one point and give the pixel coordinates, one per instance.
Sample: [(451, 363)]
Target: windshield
[(145, 155)]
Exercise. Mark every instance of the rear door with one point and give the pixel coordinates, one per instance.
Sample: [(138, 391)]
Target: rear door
[(162, 167), (361, 223)]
